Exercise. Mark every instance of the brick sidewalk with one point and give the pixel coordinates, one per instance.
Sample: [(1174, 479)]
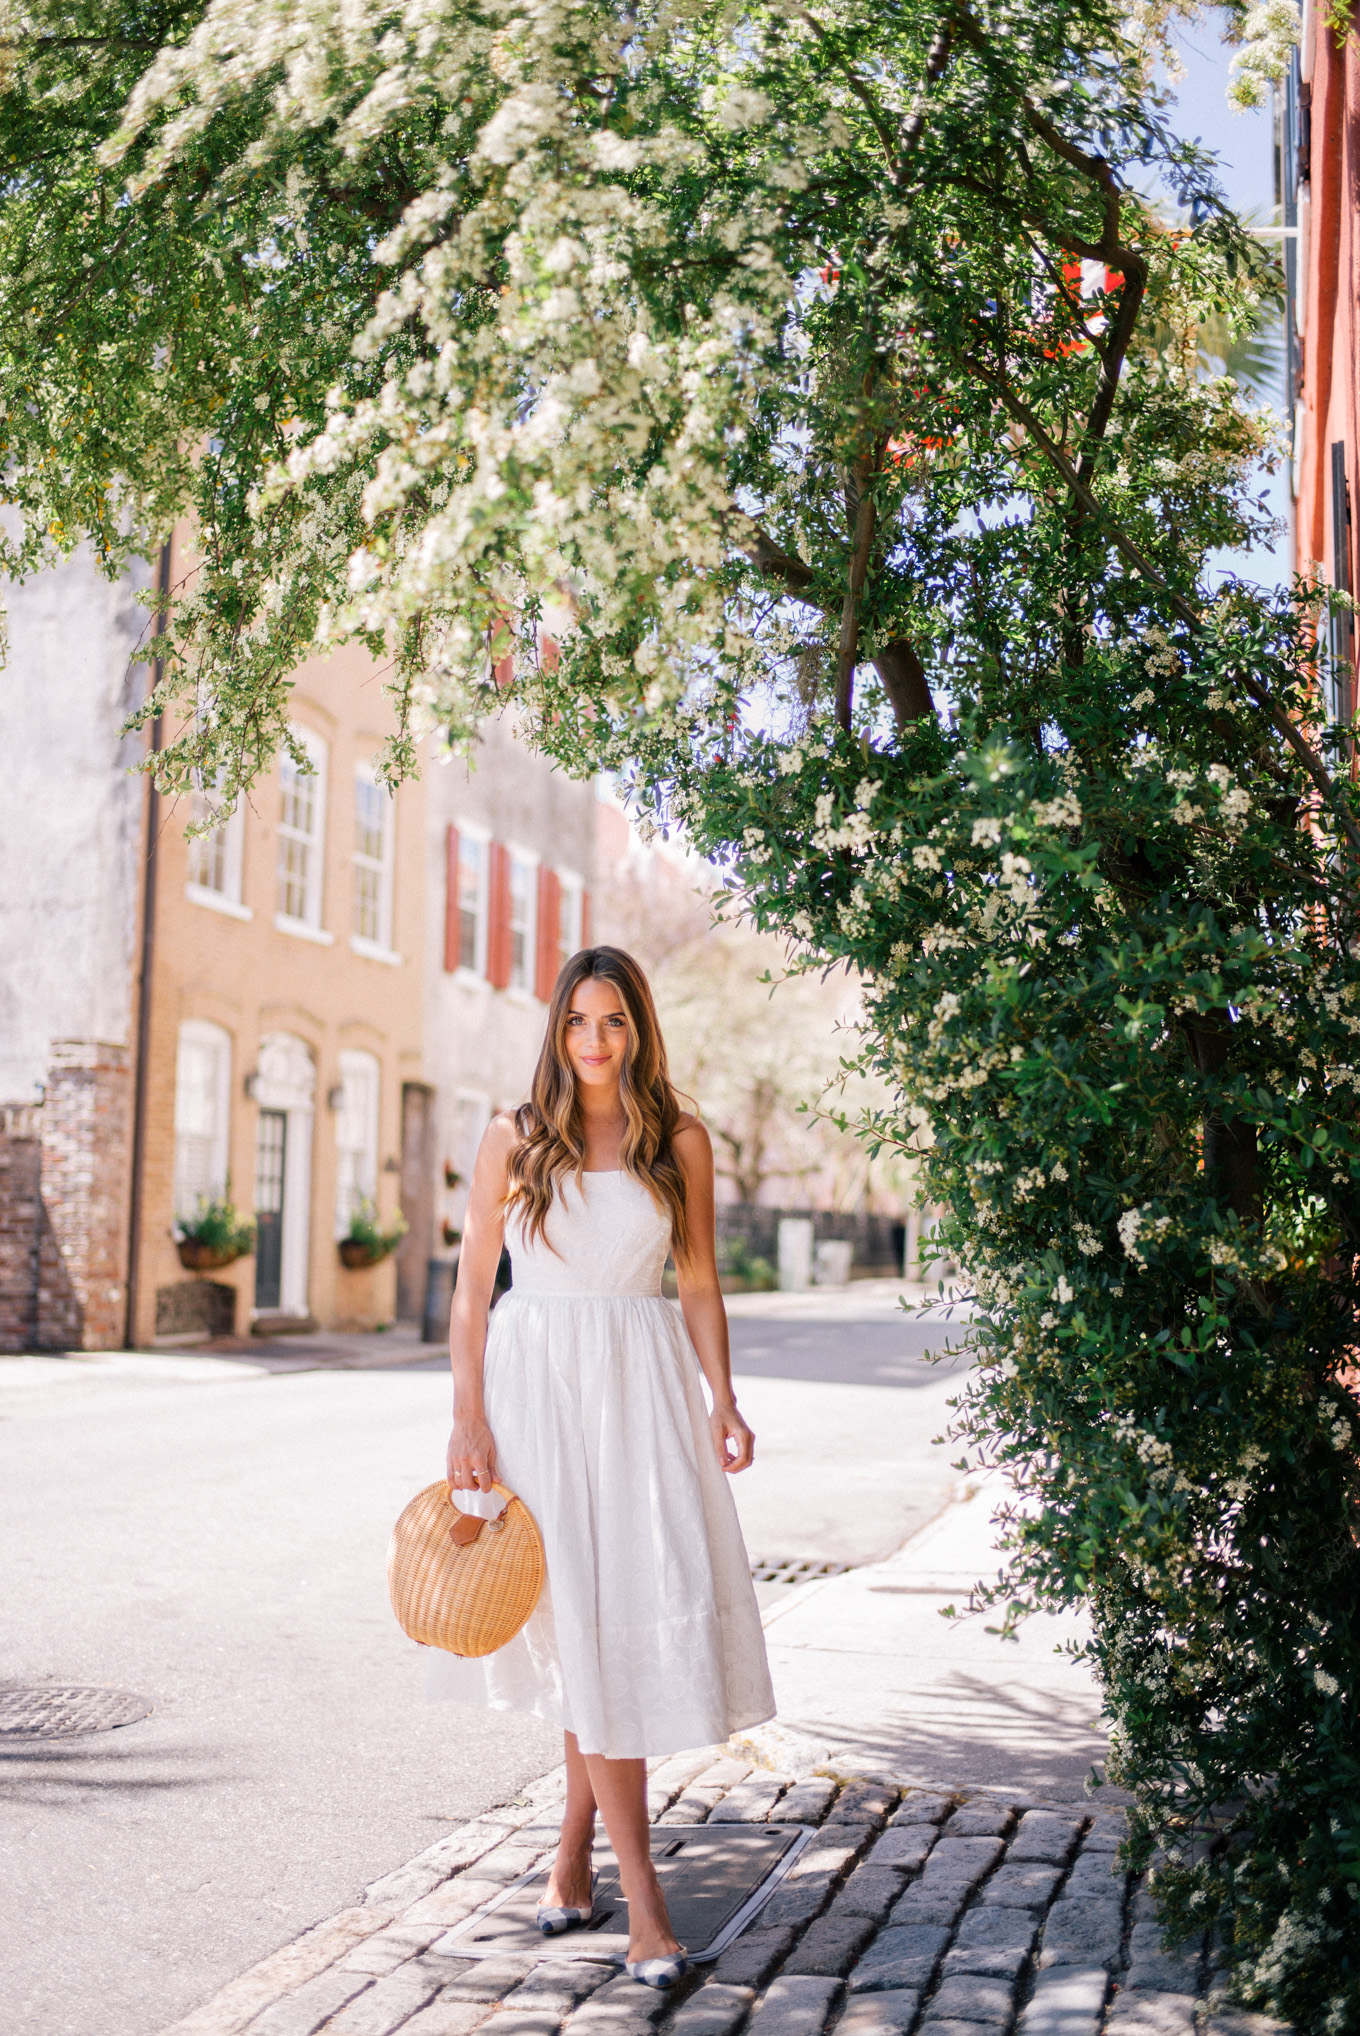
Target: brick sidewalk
[(958, 1913)]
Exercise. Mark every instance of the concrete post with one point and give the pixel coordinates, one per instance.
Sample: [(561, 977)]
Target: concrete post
[(795, 1254)]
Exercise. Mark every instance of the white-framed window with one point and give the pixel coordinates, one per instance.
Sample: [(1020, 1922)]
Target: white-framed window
[(302, 833), (571, 894), (474, 861), (356, 1135), (374, 814), (215, 860), (202, 1114), (471, 1115), (523, 915)]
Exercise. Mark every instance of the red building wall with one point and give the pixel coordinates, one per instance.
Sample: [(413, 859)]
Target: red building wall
[(1320, 175)]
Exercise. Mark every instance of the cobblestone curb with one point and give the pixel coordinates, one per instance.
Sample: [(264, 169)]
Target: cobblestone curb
[(946, 1912)]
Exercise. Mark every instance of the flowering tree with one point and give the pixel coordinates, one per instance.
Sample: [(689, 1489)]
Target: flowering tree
[(817, 371)]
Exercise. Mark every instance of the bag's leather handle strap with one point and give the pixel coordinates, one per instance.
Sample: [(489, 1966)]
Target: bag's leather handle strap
[(467, 1526)]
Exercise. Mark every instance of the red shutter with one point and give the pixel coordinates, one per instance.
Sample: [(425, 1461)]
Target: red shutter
[(452, 923), (498, 917), (585, 919), (502, 638), (549, 932)]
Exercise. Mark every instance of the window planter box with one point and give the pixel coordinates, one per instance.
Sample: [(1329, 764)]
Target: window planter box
[(197, 1257), (355, 1254)]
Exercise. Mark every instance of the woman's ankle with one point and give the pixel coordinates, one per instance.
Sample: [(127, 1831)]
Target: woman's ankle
[(654, 1940), (569, 1877)]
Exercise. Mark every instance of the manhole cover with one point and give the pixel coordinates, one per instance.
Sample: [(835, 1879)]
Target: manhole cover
[(65, 1710), (795, 1570), (716, 1877)]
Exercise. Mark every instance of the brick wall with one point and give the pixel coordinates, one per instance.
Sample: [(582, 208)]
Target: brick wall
[(20, 1223), (86, 1154), (63, 1205)]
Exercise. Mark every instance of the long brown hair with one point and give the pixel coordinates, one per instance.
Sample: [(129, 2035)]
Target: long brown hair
[(551, 1135)]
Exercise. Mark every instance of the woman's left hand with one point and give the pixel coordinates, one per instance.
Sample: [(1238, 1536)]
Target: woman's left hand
[(733, 1440)]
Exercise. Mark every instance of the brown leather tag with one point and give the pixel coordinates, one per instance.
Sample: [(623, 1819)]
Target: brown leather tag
[(466, 1527)]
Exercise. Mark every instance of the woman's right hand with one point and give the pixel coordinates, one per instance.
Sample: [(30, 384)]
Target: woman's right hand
[(471, 1461)]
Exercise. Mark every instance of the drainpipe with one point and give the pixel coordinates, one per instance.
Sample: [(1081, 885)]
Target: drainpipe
[(139, 1093)]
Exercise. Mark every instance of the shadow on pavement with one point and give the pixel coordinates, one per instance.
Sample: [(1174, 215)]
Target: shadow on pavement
[(52, 1771), (849, 1353), (985, 1732)]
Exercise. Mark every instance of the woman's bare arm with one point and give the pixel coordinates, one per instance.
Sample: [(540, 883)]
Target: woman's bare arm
[(472, 1447), (701, 1301)]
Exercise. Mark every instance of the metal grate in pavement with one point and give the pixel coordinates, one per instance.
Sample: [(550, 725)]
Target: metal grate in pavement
[(716, 1880), (65, 1710), (795, 1569)]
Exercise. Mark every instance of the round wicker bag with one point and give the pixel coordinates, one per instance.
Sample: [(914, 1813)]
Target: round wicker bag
[(463, 1583)]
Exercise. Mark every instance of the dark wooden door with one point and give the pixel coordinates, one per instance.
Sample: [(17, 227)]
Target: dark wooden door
[(271, 1143), (417, 1198)]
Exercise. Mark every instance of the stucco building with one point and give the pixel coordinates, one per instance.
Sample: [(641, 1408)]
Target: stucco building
[(510, 848), (312, 1011)]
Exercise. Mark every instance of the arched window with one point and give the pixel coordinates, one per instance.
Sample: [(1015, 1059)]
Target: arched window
[(374, 813), (202, 1114), (356, 1135), (302, 833)]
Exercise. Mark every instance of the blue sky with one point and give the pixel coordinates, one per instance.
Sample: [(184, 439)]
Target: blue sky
[(1243, 144), (1241, 141)]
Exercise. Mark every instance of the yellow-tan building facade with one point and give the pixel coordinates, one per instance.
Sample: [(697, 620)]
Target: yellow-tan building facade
[(284, 1018), (311, 1011)]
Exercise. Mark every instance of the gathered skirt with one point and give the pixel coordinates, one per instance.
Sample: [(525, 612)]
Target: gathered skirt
[(647, 1639)]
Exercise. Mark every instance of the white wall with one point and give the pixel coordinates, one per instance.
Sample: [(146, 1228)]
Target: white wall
[(70, 817)]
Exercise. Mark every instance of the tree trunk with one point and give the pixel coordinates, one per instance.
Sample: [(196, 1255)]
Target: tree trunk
[(904, 681), (1231, 1156)]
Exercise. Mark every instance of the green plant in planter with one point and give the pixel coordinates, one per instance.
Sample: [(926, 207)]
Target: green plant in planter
[(215, 1235), (367, 1242), (739, 1262)]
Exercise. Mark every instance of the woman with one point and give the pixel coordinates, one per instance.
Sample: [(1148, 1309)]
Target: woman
[(585, 1399)]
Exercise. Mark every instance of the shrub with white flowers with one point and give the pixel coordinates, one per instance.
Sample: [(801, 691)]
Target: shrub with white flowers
[(815, 379)]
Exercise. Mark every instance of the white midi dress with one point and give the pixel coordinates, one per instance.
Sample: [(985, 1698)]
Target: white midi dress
[(647, 1638)]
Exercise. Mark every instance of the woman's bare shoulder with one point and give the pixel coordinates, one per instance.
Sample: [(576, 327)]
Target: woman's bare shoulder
[(500, 1138), (690, 1137)]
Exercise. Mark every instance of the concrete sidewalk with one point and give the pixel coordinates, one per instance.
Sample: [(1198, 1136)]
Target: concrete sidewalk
[(866, 1662)]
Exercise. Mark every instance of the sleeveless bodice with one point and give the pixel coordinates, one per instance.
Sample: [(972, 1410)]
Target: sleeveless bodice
[(606, 1236)]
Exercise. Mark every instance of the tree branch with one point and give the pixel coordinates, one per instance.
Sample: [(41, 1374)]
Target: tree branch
[(903, 678), (1053, 452), (28, 44), (1110, 250), (862, 544), (770, 559), (936, 59), (857, 86), (1281, 722)]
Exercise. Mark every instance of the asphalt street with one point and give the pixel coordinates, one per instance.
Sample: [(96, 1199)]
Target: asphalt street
[(212, 1535)]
